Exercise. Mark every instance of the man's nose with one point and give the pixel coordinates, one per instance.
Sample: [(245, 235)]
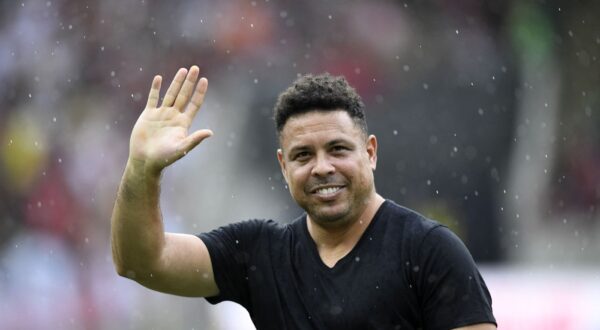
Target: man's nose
[(323, 166)]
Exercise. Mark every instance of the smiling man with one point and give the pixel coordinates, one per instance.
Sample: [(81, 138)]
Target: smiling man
[(354, 260)]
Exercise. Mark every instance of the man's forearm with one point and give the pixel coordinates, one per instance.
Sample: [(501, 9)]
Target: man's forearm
[(137, 231)]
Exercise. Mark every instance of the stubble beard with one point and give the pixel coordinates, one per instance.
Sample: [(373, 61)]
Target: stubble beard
[(348, 213)]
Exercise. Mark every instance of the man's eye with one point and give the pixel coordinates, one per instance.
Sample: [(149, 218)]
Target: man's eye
[(301, 155), (339, 148)]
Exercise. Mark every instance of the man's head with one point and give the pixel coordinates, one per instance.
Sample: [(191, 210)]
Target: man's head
[(326, 156), (323, 92)]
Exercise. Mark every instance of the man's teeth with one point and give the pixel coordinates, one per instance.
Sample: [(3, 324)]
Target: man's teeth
[(327, 191)]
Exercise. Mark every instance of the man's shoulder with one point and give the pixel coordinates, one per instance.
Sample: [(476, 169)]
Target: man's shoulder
[(250, 228), (411, 220), (258, 225)]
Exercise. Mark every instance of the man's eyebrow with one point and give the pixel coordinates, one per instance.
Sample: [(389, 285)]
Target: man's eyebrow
[(337, 141), (299, 148)]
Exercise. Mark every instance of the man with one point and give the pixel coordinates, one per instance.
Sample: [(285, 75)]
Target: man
[(353, 261)]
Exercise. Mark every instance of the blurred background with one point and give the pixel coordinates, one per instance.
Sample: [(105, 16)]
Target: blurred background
[(487, 115)]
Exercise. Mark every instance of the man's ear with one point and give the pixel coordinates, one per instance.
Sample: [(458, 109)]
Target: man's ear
[(282, 163), (372, 151)]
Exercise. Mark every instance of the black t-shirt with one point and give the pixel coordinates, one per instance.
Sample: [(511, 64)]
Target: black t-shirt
[(405, 272)]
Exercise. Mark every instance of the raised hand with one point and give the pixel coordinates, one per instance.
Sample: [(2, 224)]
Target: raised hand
[(160, 135)]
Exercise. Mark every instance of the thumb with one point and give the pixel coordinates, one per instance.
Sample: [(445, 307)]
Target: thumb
[(192, 140)]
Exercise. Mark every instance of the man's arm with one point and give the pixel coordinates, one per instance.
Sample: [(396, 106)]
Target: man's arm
[(172, 263)]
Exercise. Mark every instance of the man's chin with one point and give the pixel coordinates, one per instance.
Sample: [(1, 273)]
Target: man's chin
[(328, 216)]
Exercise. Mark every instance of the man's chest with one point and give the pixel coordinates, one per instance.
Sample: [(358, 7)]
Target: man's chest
[(370, 293), (362, 291)]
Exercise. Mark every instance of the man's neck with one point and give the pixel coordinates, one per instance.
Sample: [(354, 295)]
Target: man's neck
[(334, 242)]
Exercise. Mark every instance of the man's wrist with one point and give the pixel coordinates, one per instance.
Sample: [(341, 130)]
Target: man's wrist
[(139, 169)]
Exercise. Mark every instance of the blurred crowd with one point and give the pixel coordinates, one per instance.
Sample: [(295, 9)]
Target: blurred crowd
[(486, 114)]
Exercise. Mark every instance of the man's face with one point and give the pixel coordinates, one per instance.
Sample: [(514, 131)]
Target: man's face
[(328, 164)]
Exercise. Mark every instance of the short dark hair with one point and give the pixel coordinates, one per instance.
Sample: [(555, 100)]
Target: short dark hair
[(322, 92)]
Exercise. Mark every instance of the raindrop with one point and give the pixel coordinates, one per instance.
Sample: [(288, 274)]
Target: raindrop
[(395, 132)]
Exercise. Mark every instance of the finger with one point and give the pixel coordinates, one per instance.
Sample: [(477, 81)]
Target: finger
[(154, 92), (197, 98), (192, 140), (174, 88), (188, 87)]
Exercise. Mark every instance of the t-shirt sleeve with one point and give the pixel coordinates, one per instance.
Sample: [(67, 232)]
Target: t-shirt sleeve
[(230, 248), (453, 292)]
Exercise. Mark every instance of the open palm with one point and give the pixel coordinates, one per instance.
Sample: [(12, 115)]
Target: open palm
[(160, 135)]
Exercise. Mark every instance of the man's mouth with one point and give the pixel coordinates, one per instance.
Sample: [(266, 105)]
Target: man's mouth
[(327, 191)]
